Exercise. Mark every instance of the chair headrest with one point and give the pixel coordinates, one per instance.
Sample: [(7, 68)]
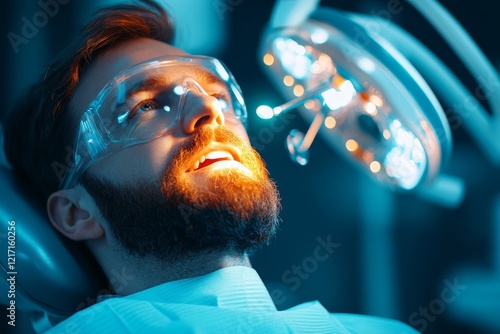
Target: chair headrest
[(53, 274)]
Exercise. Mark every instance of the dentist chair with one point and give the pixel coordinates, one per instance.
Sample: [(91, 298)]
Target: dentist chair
[(358, 79), (43, 275)]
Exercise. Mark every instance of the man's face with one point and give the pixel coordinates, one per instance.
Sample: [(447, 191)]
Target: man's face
[(201, 187)]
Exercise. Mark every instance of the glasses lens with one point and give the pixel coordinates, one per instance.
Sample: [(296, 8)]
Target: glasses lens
[(145, 101)]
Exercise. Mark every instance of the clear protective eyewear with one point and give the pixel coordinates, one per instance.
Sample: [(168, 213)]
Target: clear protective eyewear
[(145, 101)]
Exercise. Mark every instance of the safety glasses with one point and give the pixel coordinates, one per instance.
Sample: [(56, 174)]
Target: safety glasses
[(145, 101)]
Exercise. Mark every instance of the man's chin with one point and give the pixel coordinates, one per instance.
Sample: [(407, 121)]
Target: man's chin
[(217, 185)]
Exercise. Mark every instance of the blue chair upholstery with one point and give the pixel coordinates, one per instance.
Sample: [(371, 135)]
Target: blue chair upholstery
[(54, 276)]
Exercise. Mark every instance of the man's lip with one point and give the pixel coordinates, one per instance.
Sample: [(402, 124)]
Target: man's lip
[(217, 152)]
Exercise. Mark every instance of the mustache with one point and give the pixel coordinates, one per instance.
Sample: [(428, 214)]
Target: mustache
[(204, 137)]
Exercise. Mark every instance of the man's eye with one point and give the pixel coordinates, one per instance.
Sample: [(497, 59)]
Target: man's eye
[(142, 107), (146, 106)]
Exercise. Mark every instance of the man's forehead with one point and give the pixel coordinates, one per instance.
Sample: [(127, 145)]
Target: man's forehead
[(106, 66)]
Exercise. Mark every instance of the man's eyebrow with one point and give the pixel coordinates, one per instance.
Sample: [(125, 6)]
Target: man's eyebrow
[(161, 80), (146, 84), (208, 77)]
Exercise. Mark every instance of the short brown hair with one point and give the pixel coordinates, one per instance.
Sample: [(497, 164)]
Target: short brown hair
[(40, 131)]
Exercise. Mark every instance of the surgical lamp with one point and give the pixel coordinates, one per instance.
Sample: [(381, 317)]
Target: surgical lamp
[(359, 79)]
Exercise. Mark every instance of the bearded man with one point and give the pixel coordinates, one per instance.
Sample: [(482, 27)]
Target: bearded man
[(141, 153)]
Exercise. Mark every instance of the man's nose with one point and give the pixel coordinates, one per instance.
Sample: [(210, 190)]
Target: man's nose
[(200, 109)]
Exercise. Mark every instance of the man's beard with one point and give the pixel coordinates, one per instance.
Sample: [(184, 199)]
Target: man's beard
[(174, 219)]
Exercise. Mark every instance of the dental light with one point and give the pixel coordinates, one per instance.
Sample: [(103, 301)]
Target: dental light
[(360, 81)]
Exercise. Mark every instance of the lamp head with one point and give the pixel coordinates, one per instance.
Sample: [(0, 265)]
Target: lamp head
[(371, 104)]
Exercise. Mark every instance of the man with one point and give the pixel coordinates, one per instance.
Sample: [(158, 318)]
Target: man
[(141, 153)]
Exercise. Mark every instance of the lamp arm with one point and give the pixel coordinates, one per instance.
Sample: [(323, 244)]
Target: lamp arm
[(291, 12), (465, 48)]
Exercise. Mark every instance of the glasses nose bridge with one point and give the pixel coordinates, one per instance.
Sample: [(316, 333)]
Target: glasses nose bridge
[(187, 86), (190, 84), (197, 107), (191, 87)]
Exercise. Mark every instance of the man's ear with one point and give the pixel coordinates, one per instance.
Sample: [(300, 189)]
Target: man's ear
[(73, 213)]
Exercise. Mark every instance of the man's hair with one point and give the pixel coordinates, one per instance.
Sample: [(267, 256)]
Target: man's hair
[(39, 131)]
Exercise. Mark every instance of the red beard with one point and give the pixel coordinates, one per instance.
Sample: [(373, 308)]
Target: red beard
[(233, 209)]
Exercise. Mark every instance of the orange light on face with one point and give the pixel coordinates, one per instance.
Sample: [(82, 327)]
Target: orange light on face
[(288, 80), (298, 90), (351, 145), (268, 59)]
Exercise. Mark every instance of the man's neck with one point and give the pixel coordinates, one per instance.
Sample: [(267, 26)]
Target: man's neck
[(129, 274)]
